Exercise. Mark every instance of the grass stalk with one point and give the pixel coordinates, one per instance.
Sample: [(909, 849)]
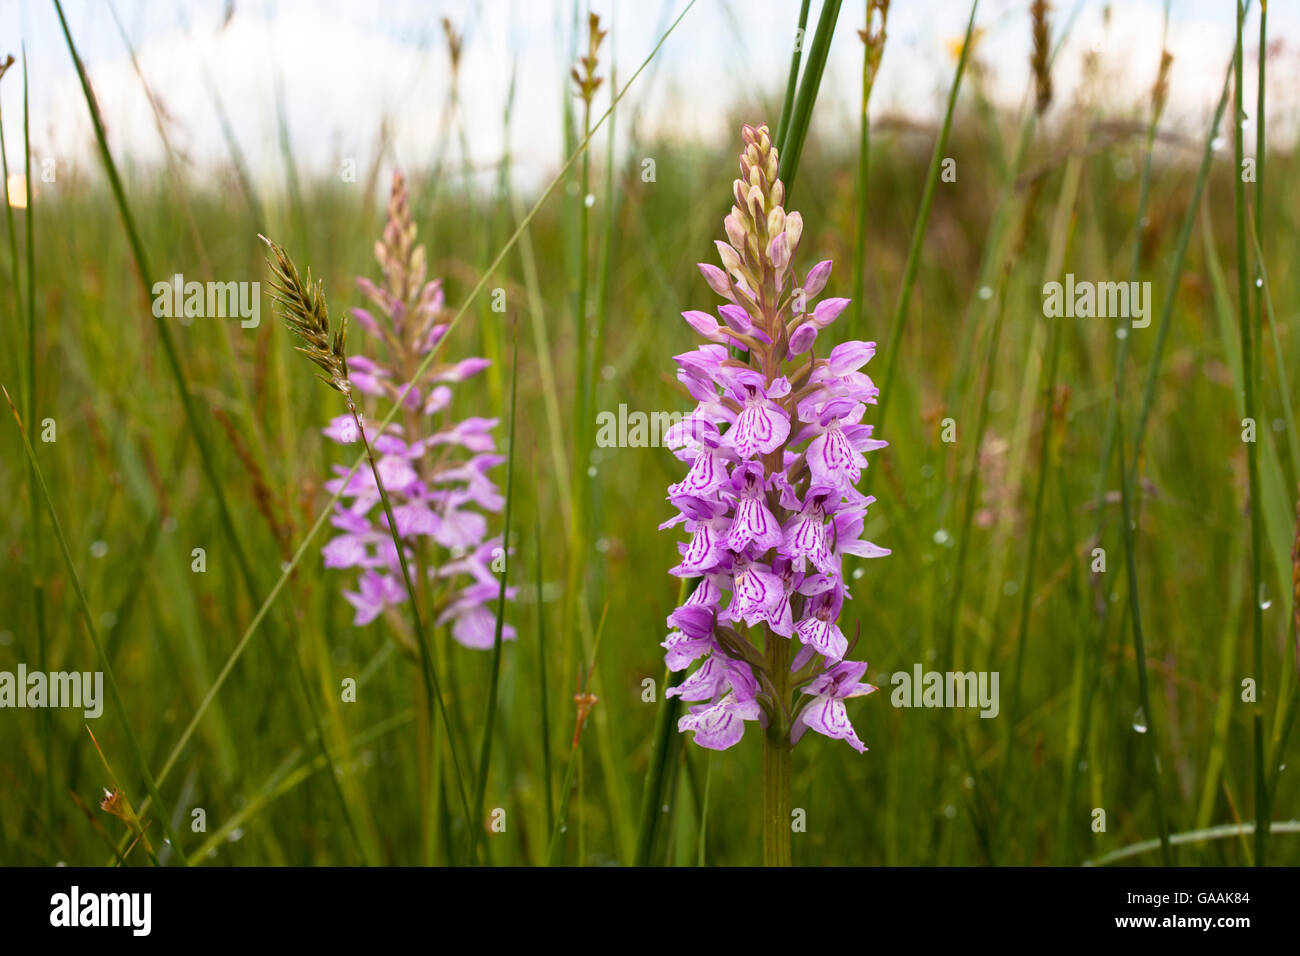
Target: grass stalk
[(489, 716), (92, 629), (899, 320)]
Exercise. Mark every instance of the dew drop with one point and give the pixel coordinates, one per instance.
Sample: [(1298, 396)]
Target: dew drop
[(589, 201), (1140, 721), (950, 811), (1265, 599), (98, 549), (969, 783), (1217, 143), (1010, 588), (985, 293), (1259, 283), (942, 537), (1121, 332), (591, 472)]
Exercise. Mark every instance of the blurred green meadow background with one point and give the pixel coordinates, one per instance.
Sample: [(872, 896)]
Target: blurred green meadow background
[(992, 495)]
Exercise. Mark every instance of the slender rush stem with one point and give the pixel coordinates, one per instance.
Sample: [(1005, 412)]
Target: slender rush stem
[(791, 147), (665, 734), (1148, 728), (1250, 371), (434, 690), (864, 168), (918, 231), (792, 81), (489, 717)]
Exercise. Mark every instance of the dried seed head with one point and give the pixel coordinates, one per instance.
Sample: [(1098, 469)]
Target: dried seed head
[(454, 44), (1160, 92), (585, 701), (114, 802), (1041, 56), (587, 80), (303, 306), (873, 37)]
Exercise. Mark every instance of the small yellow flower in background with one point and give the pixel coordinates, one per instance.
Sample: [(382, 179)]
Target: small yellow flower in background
[(956, 43)]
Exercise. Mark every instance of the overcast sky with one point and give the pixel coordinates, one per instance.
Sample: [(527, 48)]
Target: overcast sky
[(346, 66)]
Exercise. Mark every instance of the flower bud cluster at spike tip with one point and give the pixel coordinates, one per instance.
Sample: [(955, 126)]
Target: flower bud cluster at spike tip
[(774, 451), (435, 469)]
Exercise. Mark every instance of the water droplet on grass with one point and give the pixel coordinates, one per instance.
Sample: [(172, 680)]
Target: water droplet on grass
[(98, 549), (1265, 599), (1140, 721)]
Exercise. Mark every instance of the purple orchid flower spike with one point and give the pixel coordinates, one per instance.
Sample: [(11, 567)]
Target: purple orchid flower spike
[(773, 454), (435, 469)]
